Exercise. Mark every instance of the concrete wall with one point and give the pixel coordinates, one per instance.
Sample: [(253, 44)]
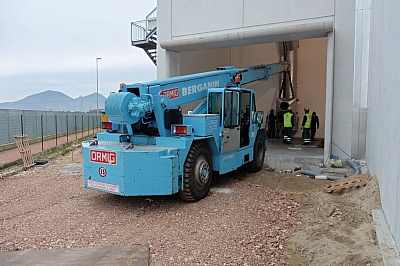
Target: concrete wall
[(383, 144), (188, 25), (222, 17), (343, 78), (311, 79)]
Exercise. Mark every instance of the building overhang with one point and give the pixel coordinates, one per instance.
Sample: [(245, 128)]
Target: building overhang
[(251, 35)]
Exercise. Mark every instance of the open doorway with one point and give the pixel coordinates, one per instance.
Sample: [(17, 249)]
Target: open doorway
[(308, 72)]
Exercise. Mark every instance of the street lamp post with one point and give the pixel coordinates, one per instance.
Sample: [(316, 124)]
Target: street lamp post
[(97, 83)]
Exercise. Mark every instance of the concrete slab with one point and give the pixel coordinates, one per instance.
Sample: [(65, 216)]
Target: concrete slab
[(136, 255), (71, 169), (390, 253), (283, 156)]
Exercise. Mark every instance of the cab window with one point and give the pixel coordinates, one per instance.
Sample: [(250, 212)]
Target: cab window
[(231, 108)]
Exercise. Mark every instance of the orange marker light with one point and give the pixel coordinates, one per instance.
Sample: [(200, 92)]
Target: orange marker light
[(180, 130)]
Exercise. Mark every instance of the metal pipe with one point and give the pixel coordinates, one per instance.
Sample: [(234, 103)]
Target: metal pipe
[(307, 172)]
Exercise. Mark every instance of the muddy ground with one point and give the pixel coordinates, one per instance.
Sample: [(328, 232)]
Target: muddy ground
[(337, 228)]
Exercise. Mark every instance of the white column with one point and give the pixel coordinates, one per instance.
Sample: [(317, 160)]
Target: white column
[(329, 96)]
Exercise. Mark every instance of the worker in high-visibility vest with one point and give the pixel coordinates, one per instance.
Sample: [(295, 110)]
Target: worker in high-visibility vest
[(288, 122), (306, 124)]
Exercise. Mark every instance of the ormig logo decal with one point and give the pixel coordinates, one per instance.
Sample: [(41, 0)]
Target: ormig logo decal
[(108, 157), (193, 89), (171, 93)]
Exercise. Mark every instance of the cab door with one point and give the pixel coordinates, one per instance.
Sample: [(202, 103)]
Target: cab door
[(231, 121)]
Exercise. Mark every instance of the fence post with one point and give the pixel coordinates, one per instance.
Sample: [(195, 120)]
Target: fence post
[(88, 125), (56, 131), (67, 126), (82, 126), (41, 122), (22, 125), (9, 131), (76, 129)]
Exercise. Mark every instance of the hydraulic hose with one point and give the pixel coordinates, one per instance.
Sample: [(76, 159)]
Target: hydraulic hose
[(356, 168)]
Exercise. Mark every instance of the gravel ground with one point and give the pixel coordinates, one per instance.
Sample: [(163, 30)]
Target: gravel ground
[(238, 223)]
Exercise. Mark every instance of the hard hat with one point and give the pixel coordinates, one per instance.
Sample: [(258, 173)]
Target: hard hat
[(307, 109), (290, 108)]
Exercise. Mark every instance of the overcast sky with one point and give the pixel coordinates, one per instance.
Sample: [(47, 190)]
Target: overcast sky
[(53, 45)]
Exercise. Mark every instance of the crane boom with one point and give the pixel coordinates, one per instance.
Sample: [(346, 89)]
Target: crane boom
[(137, 101)]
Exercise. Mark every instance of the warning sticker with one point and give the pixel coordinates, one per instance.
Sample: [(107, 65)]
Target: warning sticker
[(103, 186)]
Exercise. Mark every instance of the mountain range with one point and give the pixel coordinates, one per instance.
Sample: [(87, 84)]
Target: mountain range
[(56, 101)]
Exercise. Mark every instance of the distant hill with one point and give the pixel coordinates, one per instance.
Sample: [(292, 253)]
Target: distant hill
[(56, 101)]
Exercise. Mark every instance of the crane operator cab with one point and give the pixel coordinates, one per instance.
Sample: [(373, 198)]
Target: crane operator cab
[(235, 107)]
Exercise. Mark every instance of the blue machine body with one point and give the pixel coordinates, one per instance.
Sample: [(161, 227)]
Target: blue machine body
[(154, 140)]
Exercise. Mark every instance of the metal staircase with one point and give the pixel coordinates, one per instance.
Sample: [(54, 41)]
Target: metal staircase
[(144, 35)]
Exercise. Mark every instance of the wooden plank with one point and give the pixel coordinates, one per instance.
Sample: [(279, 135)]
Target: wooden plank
[(345, 183), (25, 150)]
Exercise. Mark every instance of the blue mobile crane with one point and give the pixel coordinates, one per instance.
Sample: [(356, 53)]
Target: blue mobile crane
[(151, 148)]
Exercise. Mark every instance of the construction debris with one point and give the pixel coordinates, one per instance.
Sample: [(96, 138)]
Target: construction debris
[(287, 171), (336, 162), (270, 169), (349, 182)]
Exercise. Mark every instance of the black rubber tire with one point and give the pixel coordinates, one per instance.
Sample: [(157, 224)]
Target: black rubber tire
[(41, 162), (258, 153), (197, 173)]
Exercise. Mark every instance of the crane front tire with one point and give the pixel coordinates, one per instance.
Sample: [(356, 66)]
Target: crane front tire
[(197, 173), (258, 153)]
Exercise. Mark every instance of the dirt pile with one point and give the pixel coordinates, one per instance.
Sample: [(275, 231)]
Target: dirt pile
[(337, 228)]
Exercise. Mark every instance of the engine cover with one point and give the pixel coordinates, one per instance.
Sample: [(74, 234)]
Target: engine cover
[(117, 108)]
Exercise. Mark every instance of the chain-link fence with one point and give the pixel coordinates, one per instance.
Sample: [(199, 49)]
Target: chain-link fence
[(46, 124)]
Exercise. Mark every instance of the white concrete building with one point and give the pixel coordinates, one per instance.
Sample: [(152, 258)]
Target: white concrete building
[(344, 67)]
